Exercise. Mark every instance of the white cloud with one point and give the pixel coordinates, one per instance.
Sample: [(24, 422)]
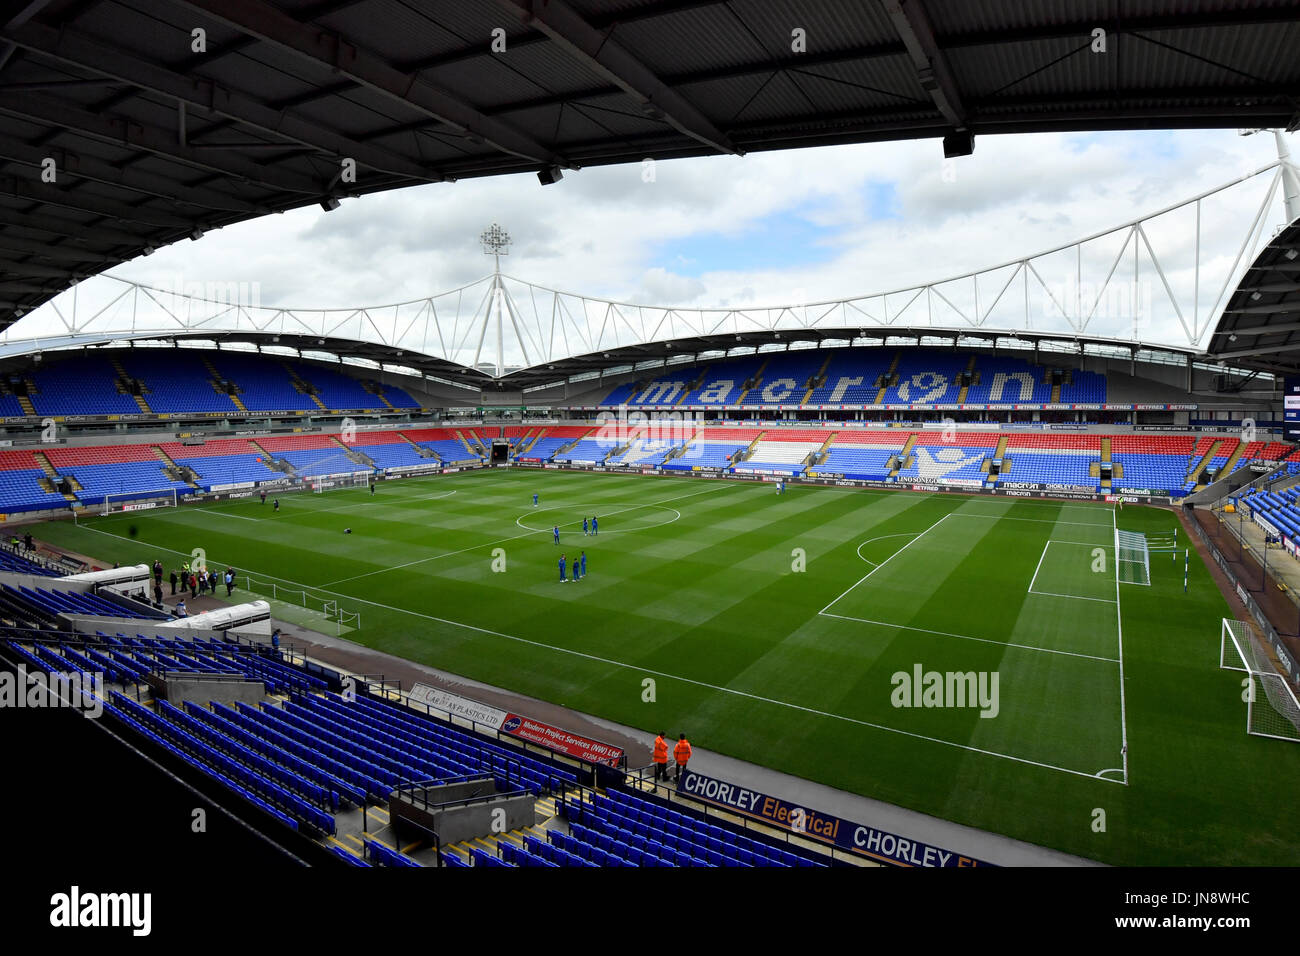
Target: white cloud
[(606, 232)]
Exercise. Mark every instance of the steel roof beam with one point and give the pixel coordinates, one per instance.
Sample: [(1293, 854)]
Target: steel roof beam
[(328, 49), (157, 187), (50, 194), (196, 91), (912, 24), (605, 56), (130, 133)]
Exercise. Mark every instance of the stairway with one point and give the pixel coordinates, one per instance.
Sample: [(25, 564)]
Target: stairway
[(565, 447), (172, 470), (377, 390), (1195, 473), (271, 461), (1231, 463), (745, 453), (1116, 471), (889, 377), (970, 368), (826, 447), (359, 457), (123, 383), (699, 379), (303, 386), (464, 441), (905, 454), (756, 380), (817, 381), (528, 440), (47, 483), (219, 385), (25, 403), (419, 449)]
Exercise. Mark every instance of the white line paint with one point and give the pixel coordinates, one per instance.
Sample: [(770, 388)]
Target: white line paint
[(1072, 597), (919, 536), (526, 534), (966, 637), (686, 680), (1046, 545), (1119, 628)]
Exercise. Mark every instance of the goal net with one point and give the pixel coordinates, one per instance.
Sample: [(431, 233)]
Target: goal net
[(1132, 558), (129, 501), (335, 482), (1271, 706)]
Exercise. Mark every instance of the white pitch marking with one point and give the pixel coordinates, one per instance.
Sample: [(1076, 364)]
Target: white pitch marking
[(489, 544), (685, 680), (967, 637), (919, 536)]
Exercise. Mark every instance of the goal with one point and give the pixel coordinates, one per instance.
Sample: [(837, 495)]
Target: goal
[(335, 482), (1132, 558), (130, 501), (1271, 706)]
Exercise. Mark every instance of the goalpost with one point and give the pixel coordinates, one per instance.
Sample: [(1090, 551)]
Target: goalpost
[(321, 485), (1271, 706), (117, 504), (1132, 558)]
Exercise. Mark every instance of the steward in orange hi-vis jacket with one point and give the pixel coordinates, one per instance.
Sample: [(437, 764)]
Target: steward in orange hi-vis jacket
[(661, 757), (681, 753)]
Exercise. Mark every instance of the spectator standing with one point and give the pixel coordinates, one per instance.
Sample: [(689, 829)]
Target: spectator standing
[(174, 579)]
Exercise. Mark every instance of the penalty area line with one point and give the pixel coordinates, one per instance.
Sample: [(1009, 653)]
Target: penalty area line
[(677, 677)]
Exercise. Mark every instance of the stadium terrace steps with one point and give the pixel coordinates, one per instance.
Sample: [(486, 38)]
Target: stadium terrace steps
[(905, 455), (889, 377), (965, 389), (756, 380), (303, 386), (461, 438)]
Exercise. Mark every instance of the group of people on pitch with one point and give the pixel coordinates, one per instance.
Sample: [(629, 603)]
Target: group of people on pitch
[(579, 568)]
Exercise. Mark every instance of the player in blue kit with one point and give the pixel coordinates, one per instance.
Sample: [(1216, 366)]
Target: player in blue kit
[(563, 580), (556, 532), (584, 525), (593, 524), (534, 501), (583, 562)]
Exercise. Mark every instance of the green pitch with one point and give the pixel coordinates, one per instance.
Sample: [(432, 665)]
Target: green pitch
[(789, 630)]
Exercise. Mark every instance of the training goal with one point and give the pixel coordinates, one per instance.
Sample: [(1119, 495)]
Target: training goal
[(1271, 706), (1132, 558)]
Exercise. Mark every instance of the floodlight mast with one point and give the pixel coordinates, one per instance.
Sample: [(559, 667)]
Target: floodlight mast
[(496, 243), (1290, 175)]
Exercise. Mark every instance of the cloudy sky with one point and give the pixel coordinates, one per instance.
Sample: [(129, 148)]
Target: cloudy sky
[(764, 229)]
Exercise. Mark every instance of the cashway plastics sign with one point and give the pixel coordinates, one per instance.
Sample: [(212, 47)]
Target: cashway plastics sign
[(813, 824)]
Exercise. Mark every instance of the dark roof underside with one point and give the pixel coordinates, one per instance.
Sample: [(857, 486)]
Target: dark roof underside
[(153, 140), (1260, 327)]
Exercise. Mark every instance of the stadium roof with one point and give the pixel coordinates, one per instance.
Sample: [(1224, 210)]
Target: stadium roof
[(1260, 327), (160, 120), (647, 356)]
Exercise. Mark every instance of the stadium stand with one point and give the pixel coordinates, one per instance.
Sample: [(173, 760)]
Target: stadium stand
[(853, 377)]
